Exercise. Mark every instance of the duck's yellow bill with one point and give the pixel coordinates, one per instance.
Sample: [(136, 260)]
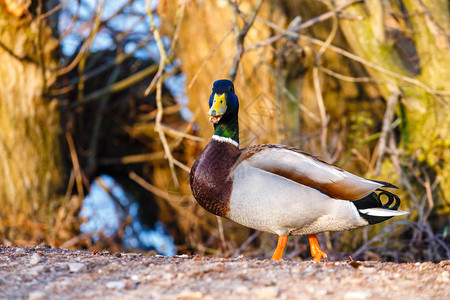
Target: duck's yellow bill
[(218, 108)]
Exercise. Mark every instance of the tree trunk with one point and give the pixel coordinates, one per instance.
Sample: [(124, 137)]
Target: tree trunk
[(30, 154), (421, 33)]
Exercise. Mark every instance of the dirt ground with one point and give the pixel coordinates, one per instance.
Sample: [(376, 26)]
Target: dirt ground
[(46, 273)]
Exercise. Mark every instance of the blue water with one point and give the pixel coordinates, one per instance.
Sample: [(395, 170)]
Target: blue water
[(101, 213)]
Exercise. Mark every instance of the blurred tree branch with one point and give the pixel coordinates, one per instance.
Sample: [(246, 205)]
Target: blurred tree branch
[(240, 35)]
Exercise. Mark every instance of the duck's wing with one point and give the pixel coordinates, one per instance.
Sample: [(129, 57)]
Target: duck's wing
[(308, 170)]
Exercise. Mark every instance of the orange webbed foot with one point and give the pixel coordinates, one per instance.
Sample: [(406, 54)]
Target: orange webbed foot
[(278, 254), (316, 252)]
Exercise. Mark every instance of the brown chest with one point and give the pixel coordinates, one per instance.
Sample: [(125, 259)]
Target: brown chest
[(210, 184)]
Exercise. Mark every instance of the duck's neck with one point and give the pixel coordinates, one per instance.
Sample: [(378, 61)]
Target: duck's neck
[(228, 130)]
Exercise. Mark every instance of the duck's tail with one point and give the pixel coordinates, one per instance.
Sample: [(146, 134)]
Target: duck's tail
[(374, 211)]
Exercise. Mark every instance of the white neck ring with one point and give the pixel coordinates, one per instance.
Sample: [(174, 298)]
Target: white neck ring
[(225, 140)]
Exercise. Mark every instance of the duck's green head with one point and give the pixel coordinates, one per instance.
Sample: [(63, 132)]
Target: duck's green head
[(223, 103)]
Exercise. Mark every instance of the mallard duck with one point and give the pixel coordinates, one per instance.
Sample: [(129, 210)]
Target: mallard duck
[(280, 189)]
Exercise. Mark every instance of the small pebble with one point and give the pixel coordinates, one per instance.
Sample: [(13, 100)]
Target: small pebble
[(356, 295), (20, 250), (130, 254), (368, 270), (135, 277), (266, 292), (39, 269), (241, 290), (37, 295), (35, 259), (425, 265), (117, 285), (76, 267), (188, 294), (443, 277), (444, 263), (65, 282), (131, 285)]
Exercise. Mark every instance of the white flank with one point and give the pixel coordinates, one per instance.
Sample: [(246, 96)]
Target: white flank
[(382, 212), (225, 140), (265, 201)]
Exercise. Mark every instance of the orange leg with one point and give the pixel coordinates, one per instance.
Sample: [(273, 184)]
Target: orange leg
[(316, 252), (282, 241)]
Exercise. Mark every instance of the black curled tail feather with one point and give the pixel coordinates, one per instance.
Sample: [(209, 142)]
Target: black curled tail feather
[(374, 200), (393, 200)]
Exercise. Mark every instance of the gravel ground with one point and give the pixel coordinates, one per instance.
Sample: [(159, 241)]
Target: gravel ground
[(46, 273)]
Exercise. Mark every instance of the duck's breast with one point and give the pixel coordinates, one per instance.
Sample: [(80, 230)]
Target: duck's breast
[(209, 178)]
